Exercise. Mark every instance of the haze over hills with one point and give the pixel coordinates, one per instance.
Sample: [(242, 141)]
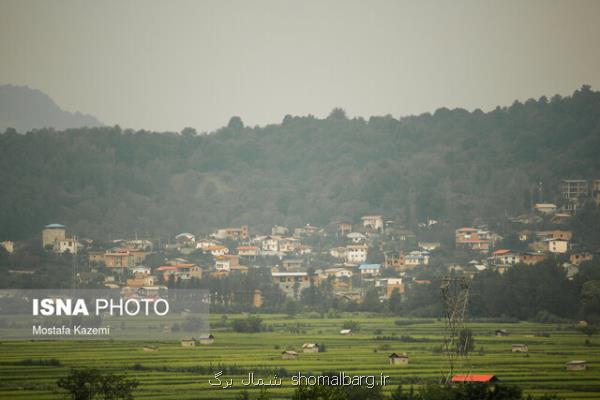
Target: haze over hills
[(453, 165), (25, 109)]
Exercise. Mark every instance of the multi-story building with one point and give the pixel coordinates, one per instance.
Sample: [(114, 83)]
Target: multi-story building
[(388, 285), (52, 233), (342, 227), (369, 270), (232, 233), (291, 283), (247, 251), (226, 262), (374, 222), (473, 239), (505, 257), (556, 245), (356, 253), (394, 259), (118, 258), (416, 258), (66, 245), (574, 189), (530, 258)]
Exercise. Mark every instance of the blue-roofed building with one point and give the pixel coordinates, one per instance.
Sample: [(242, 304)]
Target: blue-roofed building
[(55, 226), (369, 270)]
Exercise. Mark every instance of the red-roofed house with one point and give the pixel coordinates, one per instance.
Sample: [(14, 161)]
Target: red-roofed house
[(247, 251), (482, 378)]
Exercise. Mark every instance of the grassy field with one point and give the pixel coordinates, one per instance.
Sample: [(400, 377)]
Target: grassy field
[(179, 373)]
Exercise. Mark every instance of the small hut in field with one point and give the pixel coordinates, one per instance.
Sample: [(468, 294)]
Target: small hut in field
[(207, 339), (188, 342), (398, 359), (310, 348), (520, 348), (150, 348), (576, 365), (289, 355), (346, 332)]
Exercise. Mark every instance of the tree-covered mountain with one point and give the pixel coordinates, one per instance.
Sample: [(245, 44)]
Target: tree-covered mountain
[(24, 109), (453, 165)]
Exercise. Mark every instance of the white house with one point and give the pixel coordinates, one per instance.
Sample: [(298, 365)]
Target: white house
[(356, 237), (217, 250), (505, 257), (204, 243), (416, 257), (545, 208), (226, 262), (66, 245), (270, 243), (556, 245), (429, 246), (338, 252), (185, 238), (339, 272), (356, 254)]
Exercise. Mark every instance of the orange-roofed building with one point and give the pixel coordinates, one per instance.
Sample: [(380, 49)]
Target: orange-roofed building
[(180, 271), (482, 378), (216, 250)]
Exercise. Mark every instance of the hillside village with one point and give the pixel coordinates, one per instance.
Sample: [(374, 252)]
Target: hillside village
[(351, 257)]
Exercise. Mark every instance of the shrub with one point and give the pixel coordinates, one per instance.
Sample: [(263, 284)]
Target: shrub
[(354, 326), (251, 324)]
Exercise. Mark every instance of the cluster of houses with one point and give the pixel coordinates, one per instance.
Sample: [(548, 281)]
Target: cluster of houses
[(540, 245), (234, 250), (349, 256)]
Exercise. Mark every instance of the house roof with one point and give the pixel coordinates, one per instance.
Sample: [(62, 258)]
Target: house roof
[(185, 235), (396, 355), (276, 274), (369, 266), (215, 247), (474, 378), (352, 235), (54, 226), (167, 268), (501, 251), (370, 216)]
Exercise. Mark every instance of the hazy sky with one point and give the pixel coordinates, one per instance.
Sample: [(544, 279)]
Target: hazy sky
[(170, 64)]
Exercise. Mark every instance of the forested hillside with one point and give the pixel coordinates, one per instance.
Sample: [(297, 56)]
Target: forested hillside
[(452, 165)]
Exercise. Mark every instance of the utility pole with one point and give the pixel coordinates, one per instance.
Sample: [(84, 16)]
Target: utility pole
[(455, 296)]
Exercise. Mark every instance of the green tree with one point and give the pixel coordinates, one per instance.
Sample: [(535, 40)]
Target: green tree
[(90, 384), (395, 302), (590, 299), (371, 301)]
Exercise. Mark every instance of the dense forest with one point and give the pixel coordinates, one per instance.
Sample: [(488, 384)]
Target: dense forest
[(453, 165)]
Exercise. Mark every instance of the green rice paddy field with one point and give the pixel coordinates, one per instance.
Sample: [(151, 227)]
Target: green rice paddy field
[(174, 372)]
